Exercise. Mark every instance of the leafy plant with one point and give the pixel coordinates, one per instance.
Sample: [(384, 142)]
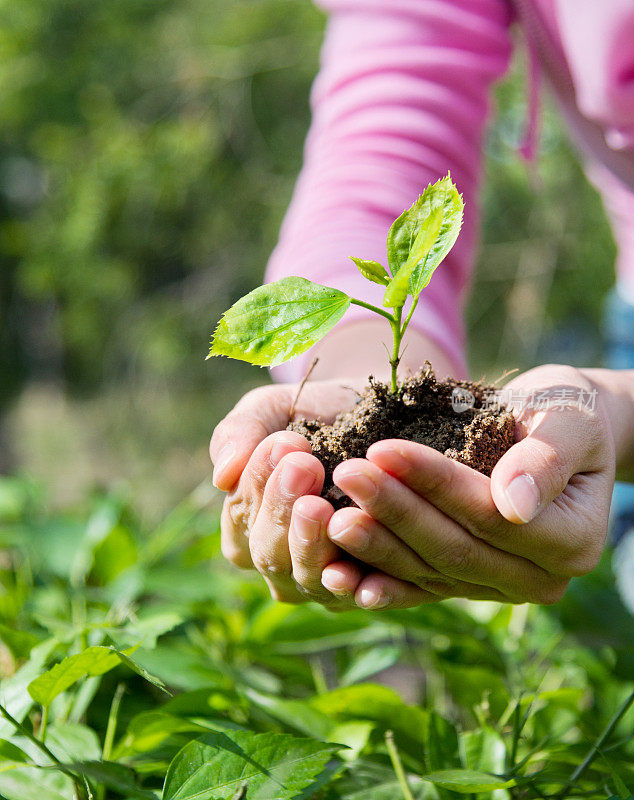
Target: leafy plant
[(171, 676), (280, 320)]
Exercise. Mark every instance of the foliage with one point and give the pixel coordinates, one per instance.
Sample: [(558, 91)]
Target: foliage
[(280, 320), (270, 701)]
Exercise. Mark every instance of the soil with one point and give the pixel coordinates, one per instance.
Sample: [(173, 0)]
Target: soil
[(451, 416)]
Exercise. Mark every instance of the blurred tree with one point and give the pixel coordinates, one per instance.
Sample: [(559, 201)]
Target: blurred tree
[(147, 152)]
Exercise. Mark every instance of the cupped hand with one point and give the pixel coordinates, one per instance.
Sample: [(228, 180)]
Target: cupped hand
[(432, 528), (273, 519)]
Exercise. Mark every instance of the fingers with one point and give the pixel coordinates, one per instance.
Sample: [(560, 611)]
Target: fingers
[(439, 540), (537, 469), (456, 489), (234, 545), (373, 544), (460, 492), (342, 578), (374, 590), (297, 474), (310, 548), (369, 541), (382, 592), (562, 538), (243, 503), (234, 439), (263, 411)]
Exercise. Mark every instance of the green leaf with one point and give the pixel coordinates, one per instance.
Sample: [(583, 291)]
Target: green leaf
[(442, 746), (621, 789), (419, 242), (453, 211), (92, 661), (484, 750), (112, 556), (278, 321), (135, 666), (149, 730), (100, 525), (354, 735), (372, 270), (296, 714), (466, 781), (15, 697), (370, 662), (11, 752), (399, 287), (20, 643), (379, 704), (367, 780), (28, 783), (145, 631), (274, 766), (73, 742)]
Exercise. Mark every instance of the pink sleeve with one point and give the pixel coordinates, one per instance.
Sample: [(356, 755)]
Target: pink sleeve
[(402, 97)]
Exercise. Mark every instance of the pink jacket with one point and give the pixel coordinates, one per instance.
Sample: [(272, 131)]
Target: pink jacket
[(403, 96)]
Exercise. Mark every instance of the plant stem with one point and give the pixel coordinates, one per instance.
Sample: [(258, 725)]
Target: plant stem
[(596, 747), (79, 786), (319, 678), (409, 315), (396, 352), (370, 307), (398, 766), (111, 729), (397, 332), (43, 723)]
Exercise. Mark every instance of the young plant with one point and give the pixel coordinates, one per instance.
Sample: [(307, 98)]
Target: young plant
[(280, 320)]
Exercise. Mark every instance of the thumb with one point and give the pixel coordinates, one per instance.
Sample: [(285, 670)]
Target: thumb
[(259, 413), (537, 469)]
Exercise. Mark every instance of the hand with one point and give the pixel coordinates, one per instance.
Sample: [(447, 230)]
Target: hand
[(433, 528), (273, 519)]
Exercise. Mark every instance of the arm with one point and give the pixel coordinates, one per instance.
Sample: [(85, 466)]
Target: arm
[(402, 97), (616, 388)]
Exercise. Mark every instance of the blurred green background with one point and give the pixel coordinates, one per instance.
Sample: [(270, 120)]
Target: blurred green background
[(148, 150)]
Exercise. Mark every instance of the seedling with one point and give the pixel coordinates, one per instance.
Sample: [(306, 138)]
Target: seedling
[(281, 320)]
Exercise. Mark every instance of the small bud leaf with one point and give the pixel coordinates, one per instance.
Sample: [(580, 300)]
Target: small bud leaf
[(372, 270)]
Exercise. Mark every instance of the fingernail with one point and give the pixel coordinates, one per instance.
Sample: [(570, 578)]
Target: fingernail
[(279, 450), (306, 529), (523, 497), (224, 457), (392, 456), (334, 587), (368, 598), (295, 479), (357, 484), (354, 536)]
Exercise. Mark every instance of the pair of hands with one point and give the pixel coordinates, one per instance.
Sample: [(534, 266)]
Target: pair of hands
[(427, 528)]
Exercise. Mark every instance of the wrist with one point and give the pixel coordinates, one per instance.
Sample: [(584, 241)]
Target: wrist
[(615, 389), (360, 349)]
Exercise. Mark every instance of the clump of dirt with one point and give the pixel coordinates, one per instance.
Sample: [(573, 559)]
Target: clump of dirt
[(454, 417)]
